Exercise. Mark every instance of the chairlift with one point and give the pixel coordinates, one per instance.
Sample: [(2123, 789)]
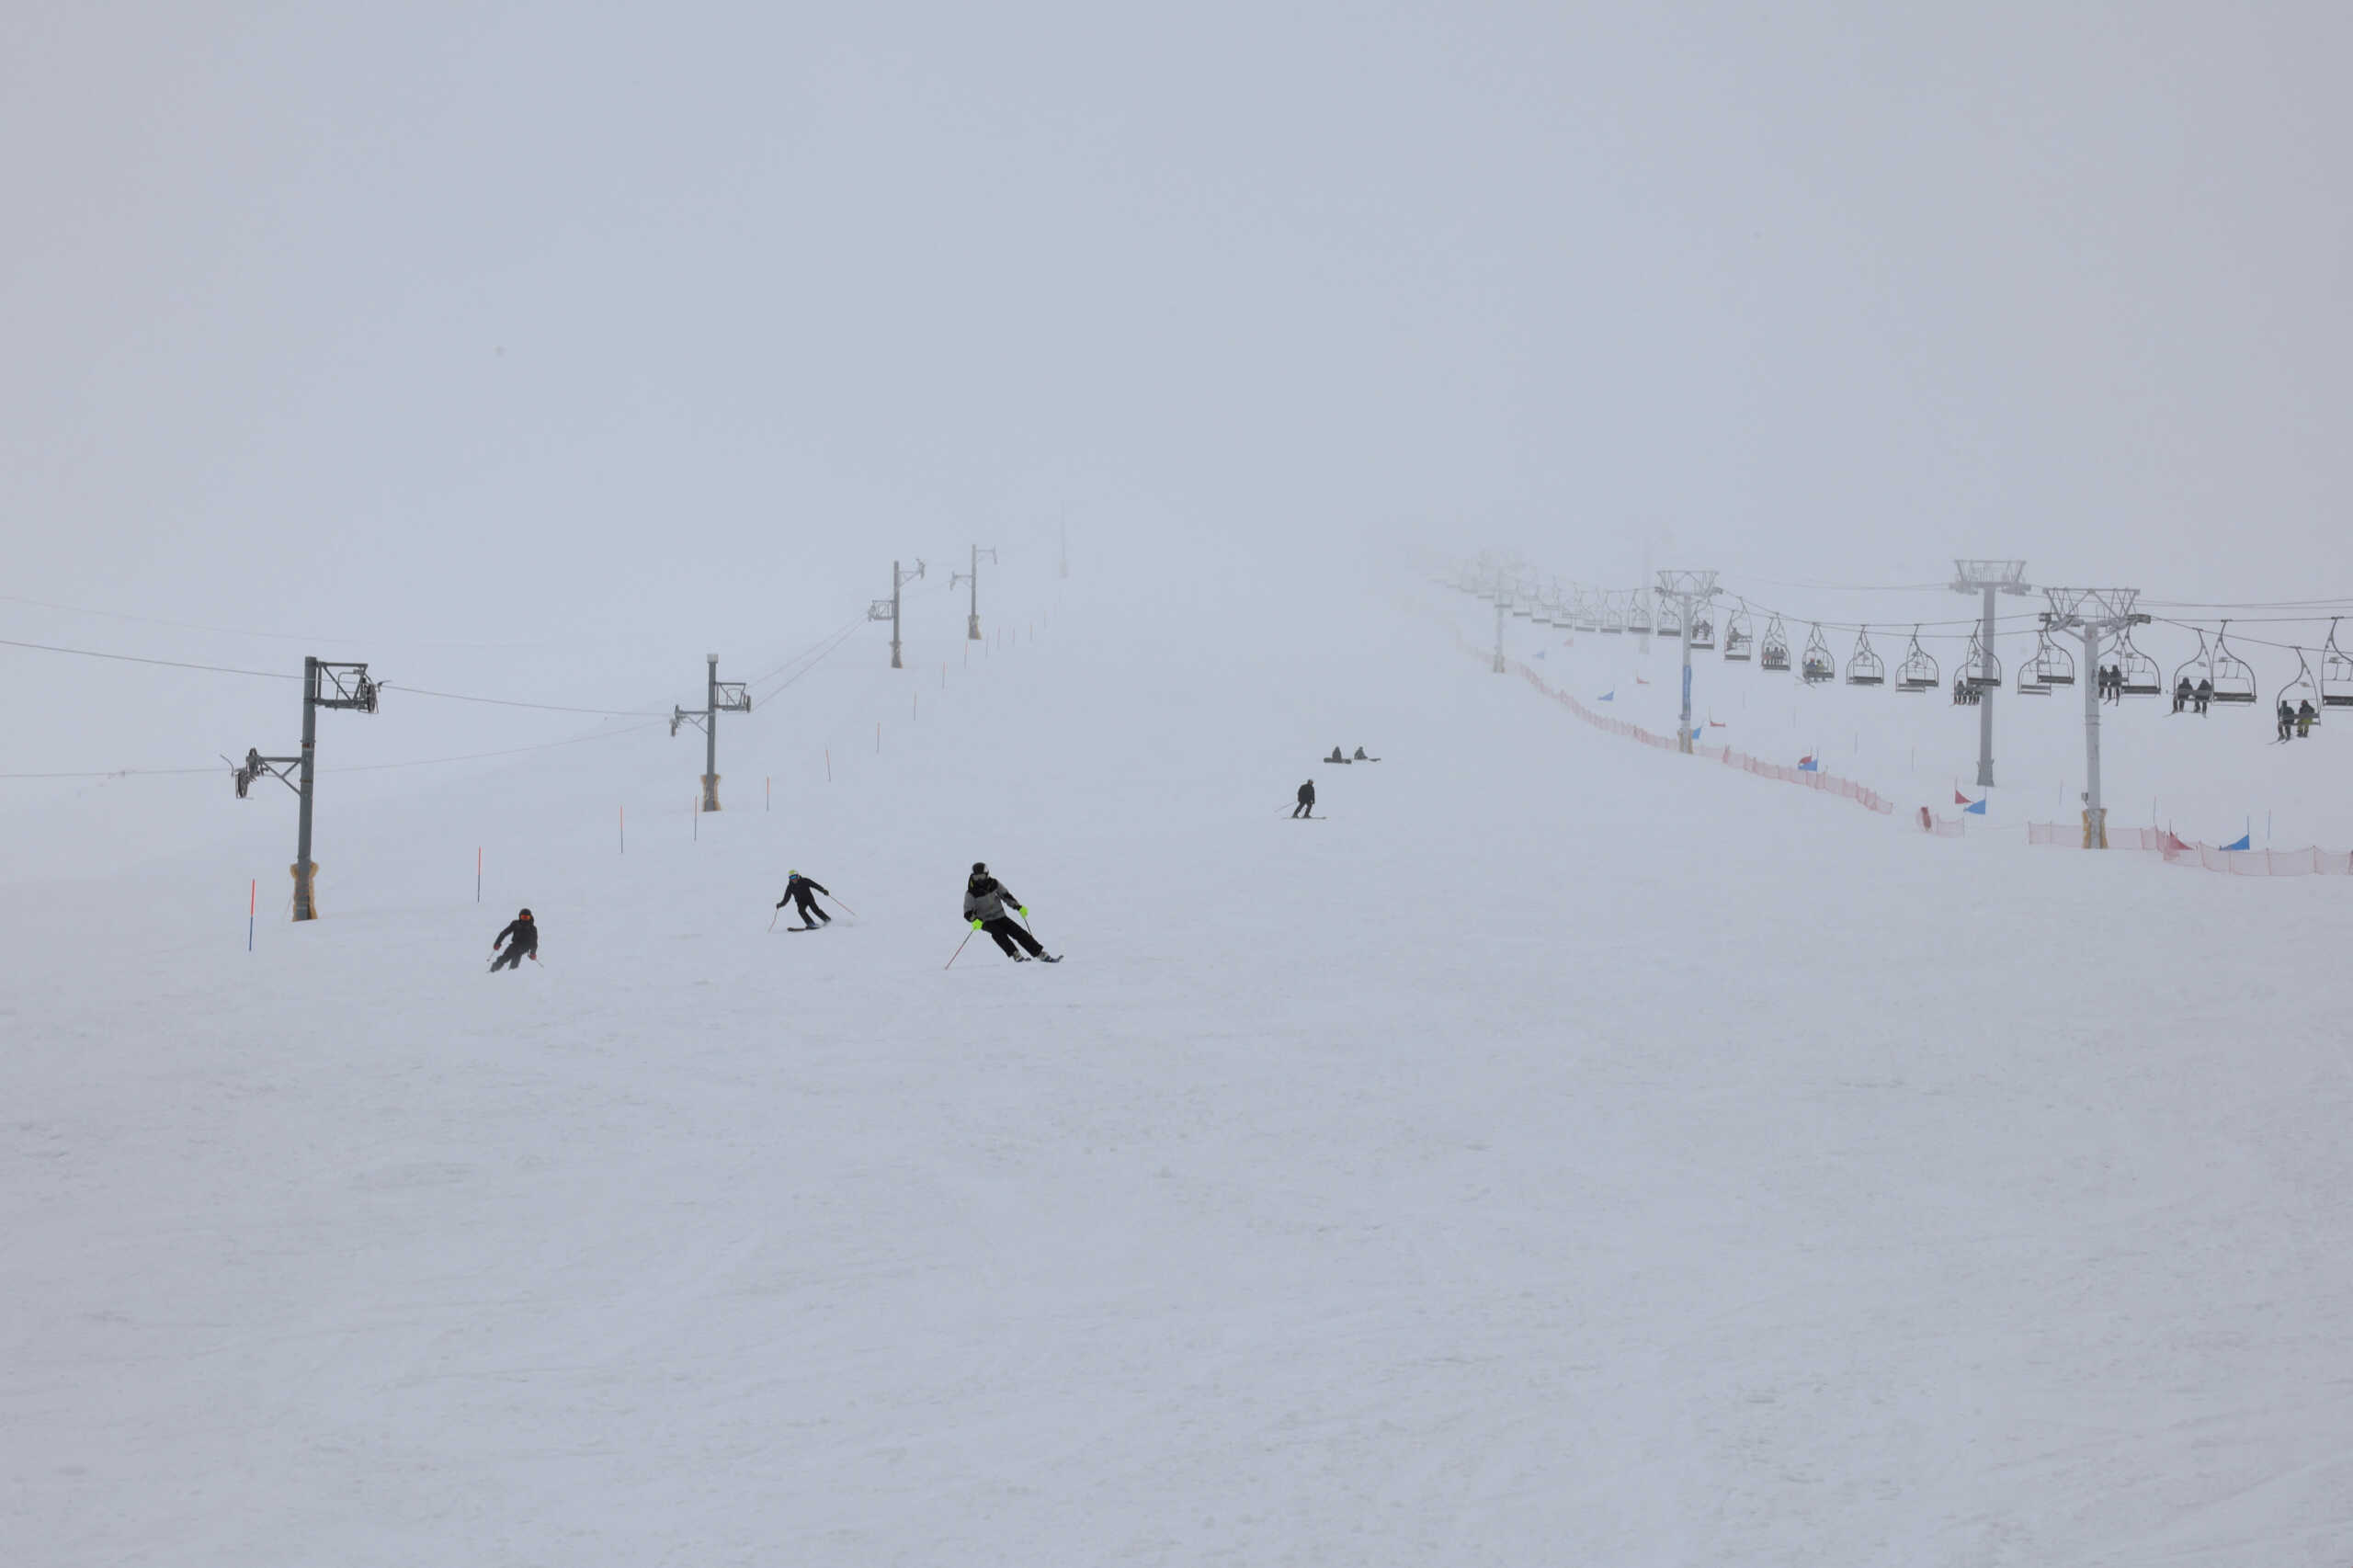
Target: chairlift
[(2190, 669), (2139, 672), (2301, 688), (2233, 677), (1918, 672), (2051, 665), (1775, 653), (1865, 668), (2336, 673), (1979, 670), (1670, 619), (1703, 632), (1818, 665), (2032, 674), (1739, 644), (1637, 616), (1613, 616)]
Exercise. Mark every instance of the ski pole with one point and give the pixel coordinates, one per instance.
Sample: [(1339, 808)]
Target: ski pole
[(845, 908), (959, 951), (772, 917)]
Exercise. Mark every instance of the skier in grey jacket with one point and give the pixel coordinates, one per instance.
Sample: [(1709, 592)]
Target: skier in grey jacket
[(985, 900)]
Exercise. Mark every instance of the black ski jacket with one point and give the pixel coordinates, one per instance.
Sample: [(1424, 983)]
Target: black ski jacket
[(525, 932), (801, 887), (1307, 793)]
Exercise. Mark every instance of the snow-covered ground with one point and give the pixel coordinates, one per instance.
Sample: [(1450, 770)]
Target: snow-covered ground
[(1566, 1152)]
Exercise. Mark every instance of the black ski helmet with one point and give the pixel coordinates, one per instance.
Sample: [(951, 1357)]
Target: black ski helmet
[(524, 915), (980, 869)]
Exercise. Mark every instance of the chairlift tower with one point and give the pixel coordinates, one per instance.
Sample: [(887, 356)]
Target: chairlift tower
[(719, 696), (2095, 612), (1690, 590), (325, 684), (973, 625), (1988, 578), (888, 609)]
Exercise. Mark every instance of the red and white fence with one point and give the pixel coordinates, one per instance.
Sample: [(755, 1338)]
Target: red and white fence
[(1821, 783), (2309, 862)]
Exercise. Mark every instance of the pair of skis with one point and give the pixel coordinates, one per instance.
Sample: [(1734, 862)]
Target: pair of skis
[(1018, 957)]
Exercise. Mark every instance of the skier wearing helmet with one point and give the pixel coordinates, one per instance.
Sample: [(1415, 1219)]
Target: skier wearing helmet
[(986, 901), (798, 890), (522, 939)]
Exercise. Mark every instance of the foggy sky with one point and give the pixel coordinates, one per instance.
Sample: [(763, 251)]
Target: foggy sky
[(619, 334)]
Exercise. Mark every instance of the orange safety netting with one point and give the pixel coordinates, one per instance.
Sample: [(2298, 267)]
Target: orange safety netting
[(1821, 783), (2309, 862)]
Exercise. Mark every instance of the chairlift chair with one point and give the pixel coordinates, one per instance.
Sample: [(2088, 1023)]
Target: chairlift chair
[(2301, 688), (2034, 673), (1703, 632), (1775, 653), (1979, 670), (1670, 619), (2051, 665), (1638, 618), (2191, 668), (2233, 677), (1865, 668), (1613, 616), (2138, 672), (2336, 673), (1739, 644), (1818, 665), (1918, 672)]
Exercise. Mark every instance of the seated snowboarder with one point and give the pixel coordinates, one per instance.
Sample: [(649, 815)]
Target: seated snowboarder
[(985, 899), (1335, 755), (797, 892), (522, 939), (1361, 757)]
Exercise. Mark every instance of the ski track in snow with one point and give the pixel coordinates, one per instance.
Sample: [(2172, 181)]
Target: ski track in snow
[(1569, 1154)]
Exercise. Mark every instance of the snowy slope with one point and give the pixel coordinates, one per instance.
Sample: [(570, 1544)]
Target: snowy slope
[(1564, 1153)]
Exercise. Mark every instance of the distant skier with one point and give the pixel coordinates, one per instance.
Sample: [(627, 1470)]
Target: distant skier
[(798, 890), (1306, 807), (985, 900), (522, 939)]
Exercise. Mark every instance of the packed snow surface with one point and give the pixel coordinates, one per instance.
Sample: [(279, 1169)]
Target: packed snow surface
[(1564, 1153)]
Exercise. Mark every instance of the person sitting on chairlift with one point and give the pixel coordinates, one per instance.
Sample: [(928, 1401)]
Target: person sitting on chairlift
[(2287, 718), (2306, 717), (2182, 695), (2205, 692)]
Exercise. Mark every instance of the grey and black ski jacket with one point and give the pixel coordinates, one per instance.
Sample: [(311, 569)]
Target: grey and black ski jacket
[(986, 898)]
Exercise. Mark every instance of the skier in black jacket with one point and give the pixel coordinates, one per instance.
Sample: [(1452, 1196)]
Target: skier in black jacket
[(797, 890), (1306, 801), (985, 900), (522, 939)]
